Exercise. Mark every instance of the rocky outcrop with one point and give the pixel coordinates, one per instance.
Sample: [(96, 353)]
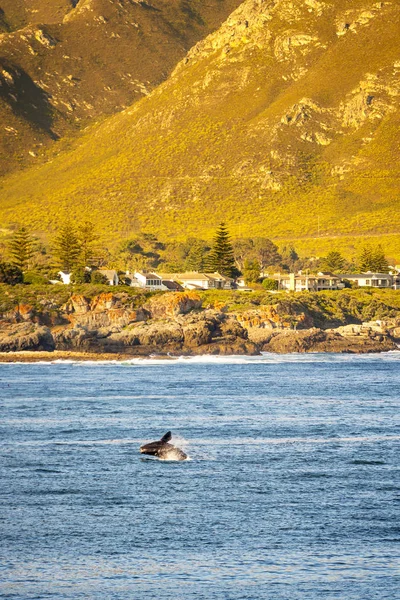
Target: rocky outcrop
[(26, 336), (176, 324), (317, 340)]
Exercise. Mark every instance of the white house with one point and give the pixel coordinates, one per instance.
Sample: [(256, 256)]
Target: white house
[(305, 282), (149, 281), (200, 281), (111, 275), (65, 277), (376, 280)]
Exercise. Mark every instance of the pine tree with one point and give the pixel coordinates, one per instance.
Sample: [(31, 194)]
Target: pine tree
[(67, 248), (21, 248), (86, 237), (195, 260), (334, 261), (221, 258), (380, 263), (373, 259)]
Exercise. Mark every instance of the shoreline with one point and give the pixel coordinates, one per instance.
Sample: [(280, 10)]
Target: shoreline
[(32, 356)]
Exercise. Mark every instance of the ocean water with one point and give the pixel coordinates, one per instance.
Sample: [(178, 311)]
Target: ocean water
[(292, 489)]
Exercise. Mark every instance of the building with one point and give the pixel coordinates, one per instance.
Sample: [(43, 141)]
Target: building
[(200, 281), (148, 281), (375, 280), (305, 282), (111, 276), (172, 286), (65, 277)]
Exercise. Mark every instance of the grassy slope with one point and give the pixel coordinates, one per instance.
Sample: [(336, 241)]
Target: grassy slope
[(102, 57), (210, 144)]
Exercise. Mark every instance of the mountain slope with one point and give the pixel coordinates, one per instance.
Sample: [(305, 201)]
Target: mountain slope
[(284, 123), (75, 61)]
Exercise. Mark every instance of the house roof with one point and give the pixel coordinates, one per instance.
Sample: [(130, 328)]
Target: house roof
[(304, 276), (185, 276), (367, 276), (195, 276), (110, 273), (172, 285), (149, 275)]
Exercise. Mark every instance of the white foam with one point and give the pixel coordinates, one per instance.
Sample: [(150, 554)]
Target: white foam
[(263, 358)]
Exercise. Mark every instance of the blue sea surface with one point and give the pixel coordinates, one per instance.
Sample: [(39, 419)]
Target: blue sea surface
[(292, 489)]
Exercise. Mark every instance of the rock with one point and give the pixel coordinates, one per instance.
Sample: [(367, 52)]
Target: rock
[(105, 310), (27, 337), (112, 323), (316, 340), (45, 39), (173, 304), (198, 333), (260, 323), (156, 335)]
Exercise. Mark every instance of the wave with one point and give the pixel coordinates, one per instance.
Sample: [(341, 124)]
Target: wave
[(263, 358)]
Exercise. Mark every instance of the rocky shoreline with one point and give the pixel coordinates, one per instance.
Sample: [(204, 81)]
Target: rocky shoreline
[(110, 327)]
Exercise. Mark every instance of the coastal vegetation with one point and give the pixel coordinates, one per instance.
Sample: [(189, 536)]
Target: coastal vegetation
[(79, 250)]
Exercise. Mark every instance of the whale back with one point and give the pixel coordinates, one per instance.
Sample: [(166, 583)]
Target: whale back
[(162, 449)]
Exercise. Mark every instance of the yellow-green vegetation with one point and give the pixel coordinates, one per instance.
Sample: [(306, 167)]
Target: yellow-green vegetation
[(324, 309), (67, 63), (284, 123), (55, 296)]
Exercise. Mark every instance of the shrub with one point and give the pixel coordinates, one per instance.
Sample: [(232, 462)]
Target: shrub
[(33, 278), (270, 284), (10, 274)]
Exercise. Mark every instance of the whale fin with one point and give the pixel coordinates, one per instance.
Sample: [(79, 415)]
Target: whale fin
[(166, 438)]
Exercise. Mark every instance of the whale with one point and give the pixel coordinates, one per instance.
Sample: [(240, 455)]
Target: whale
[(163, 450)]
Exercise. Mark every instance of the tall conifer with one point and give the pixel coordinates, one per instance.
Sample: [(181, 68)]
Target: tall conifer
[(21, 248), (86, 237), (67, 248), (221, 258), (373, 259)]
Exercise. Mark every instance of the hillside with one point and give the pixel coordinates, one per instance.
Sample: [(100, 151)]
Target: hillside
[(65, 63), (284, 122)]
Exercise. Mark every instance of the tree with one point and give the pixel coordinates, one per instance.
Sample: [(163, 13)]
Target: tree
[(267, 252), (80, 275), (67, 248), (21, 248), (373, 259), (10, 274), (98, 278), (289, 257), (263, 250), (221, 257), (251, 271), (334, 261), (195, 259), (87, 237), (243, 249)]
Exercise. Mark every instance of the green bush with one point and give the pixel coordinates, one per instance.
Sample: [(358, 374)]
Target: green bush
[(270, 284), (33, 278)]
